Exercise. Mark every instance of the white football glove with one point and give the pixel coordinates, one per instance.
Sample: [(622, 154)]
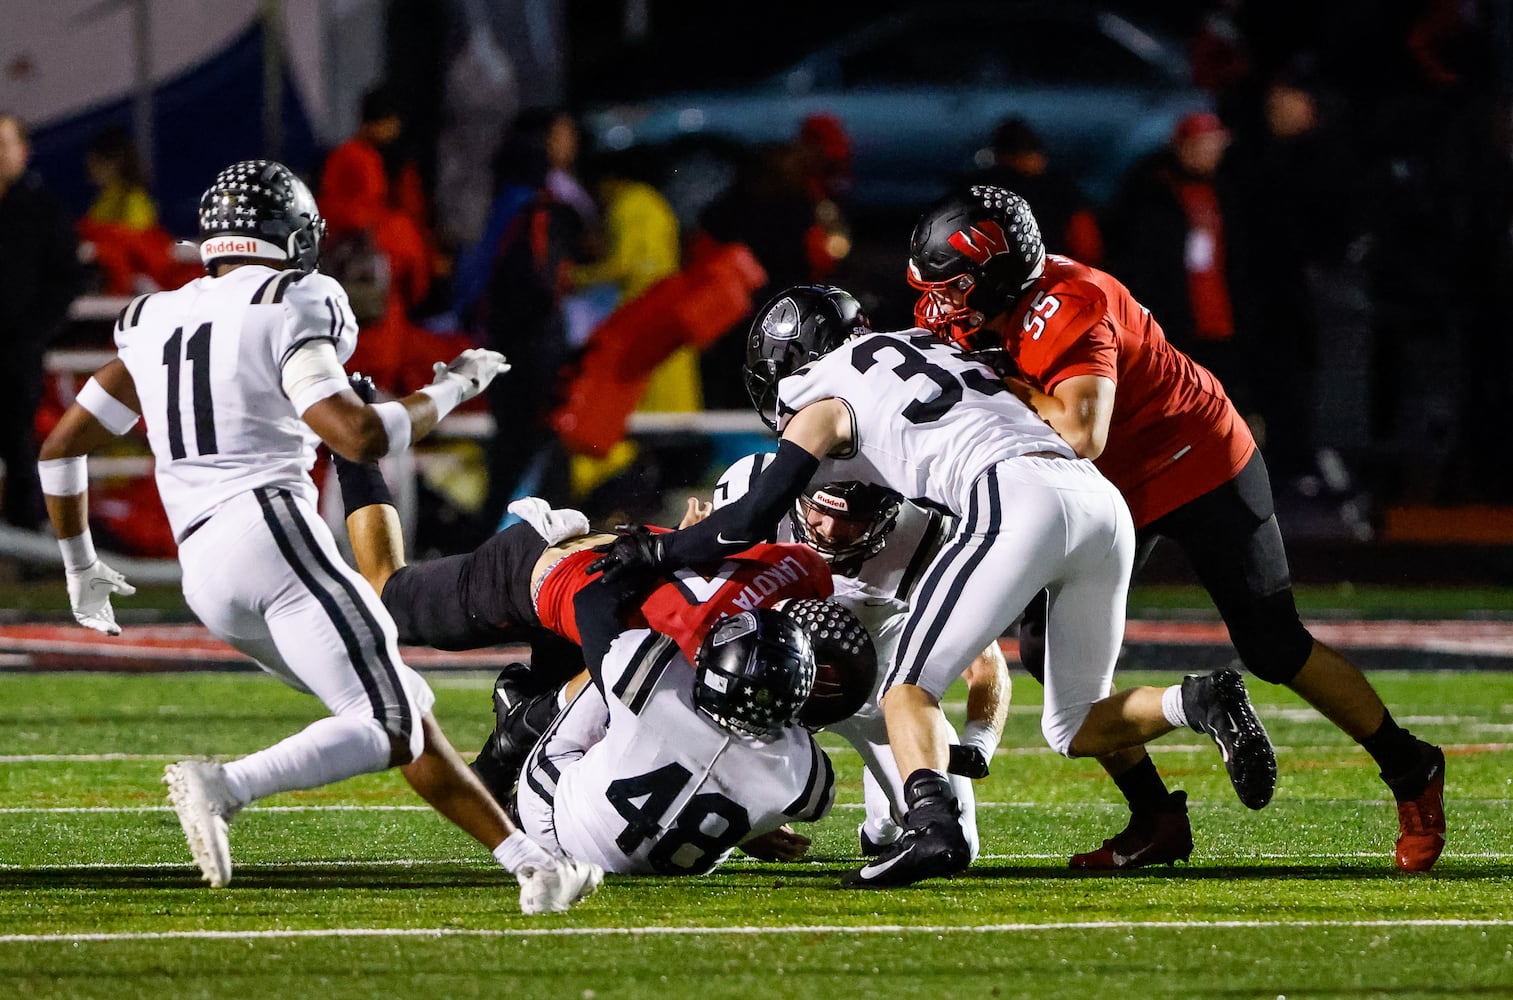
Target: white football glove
[(89, 591), (473, 370)]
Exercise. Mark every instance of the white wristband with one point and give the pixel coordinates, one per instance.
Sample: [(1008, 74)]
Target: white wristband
[(78, 552), (446, 395), (396, 421), (64, 477), (114, 415)]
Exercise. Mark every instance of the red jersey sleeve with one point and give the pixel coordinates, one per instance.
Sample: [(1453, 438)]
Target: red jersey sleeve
[(1060, 329), (686, 606), (758, 577)]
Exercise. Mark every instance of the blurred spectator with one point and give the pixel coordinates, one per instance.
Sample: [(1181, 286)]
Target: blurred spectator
[(767, 208), (1020, 163), (530, 241), (115, 168), (563, 140), (1295, 212), (120, 234), (369, 176), (40, 277), (824, 150), (378, 244), (1165, 238), (640, 247)]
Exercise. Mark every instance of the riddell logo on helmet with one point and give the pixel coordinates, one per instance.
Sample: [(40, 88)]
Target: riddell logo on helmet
[(981, 241), (239, 246), (838, 504)]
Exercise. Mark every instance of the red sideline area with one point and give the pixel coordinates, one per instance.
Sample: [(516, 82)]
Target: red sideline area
[(151, 648)]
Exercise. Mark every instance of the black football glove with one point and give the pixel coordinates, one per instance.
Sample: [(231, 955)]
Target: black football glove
[(967, 762), (363, 386), (636, 554)]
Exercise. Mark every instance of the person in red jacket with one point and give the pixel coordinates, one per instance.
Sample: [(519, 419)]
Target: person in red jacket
[(1095, 364)]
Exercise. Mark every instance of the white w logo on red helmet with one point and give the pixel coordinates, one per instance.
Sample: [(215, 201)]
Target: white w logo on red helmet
[(980, 241)]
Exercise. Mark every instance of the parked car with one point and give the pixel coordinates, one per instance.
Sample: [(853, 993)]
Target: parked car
[(921, 92)]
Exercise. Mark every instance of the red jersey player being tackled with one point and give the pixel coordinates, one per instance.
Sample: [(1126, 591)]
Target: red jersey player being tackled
[(1095, 364), (522, 584)]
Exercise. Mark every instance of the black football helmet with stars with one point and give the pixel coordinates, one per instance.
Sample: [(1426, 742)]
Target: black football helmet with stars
[(259, 210), (753, 673), (981, 243), (845, 661), (797, 326)]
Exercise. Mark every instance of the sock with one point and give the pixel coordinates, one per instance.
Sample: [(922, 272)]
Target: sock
[(1142, 786), (519, 851), (882, 830), (362, 484), (1172, 707), (981, 736), (1394, 748), (327, 750)]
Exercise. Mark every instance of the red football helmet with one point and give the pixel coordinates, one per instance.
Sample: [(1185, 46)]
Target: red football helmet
[(972, 254)]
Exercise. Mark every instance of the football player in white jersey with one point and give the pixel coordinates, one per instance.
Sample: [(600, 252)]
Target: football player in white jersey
[(905, 411), (239, 376), (872, 536), (660, 767)]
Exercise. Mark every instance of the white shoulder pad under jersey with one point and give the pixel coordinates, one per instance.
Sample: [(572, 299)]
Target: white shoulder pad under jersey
[(207, 361), (669, 791), (927, 420)]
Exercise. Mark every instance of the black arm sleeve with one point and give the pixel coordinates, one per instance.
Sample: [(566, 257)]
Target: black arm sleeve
[(749, 519), (598, 609)]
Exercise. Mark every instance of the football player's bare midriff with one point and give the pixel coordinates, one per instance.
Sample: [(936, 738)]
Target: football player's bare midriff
[(556, 553)]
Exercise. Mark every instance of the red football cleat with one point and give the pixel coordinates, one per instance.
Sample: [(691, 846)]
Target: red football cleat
[(1153, 837), (1421, 819)]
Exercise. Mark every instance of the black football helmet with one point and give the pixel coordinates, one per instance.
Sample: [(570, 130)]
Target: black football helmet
[(259, 209), (754, 671), (845, 661), (797, 326), (869, 512), (972, 254)]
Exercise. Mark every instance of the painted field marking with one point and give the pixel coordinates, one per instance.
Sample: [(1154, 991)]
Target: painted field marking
[(896, 929)]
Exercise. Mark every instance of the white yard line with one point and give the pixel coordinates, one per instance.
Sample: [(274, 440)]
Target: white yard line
[(893, 929), (376, 807), (838, 748)]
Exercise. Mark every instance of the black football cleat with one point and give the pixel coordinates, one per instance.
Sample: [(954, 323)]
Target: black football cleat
[(932, 845), (1159, 836), (522, 711), (1217, 704), (934, 850)]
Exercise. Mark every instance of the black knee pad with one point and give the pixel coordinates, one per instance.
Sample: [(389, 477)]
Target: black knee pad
[(1272, 641)]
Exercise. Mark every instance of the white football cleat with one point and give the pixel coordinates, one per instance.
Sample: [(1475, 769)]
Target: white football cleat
[(554, 890), (198, 793)]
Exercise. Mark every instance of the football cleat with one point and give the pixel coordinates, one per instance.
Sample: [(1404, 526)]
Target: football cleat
[(871, 845), (932, 845), (555, 890), (1420, 798), (198, 793), (1217, 704), (1160, 836), (519, 708), (931, 850)]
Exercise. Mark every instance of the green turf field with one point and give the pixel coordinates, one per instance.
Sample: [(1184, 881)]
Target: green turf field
[(358, 891)]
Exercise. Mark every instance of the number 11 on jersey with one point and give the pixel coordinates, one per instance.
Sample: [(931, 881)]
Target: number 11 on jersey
[(197, 353)]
